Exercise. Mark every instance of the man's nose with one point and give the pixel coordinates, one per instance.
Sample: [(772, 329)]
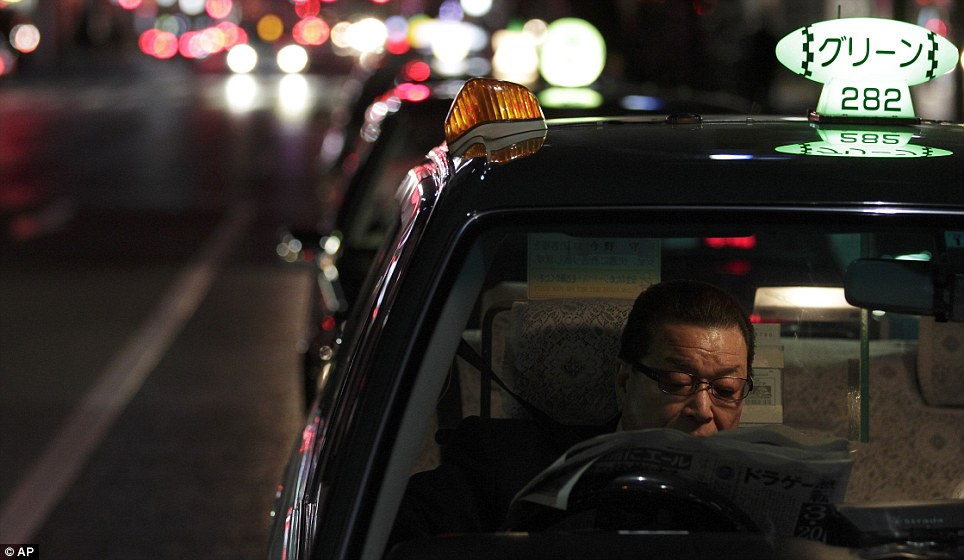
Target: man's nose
[(700, 404)]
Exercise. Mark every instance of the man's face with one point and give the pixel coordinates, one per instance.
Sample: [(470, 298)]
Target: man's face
[(707, 353)]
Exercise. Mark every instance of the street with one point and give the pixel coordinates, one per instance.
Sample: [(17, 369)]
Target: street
[(149, 390)]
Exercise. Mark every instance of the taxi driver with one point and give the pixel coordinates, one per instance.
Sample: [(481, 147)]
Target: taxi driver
[(684, 363), (685, 360)]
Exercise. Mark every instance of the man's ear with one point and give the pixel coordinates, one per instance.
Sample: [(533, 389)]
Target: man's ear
[(620, 379)]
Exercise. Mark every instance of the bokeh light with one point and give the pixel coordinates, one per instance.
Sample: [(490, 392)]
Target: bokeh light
[(450, 10), (416, 70), (476, 8), (219, 9), (177, 24), (242, 58), (339, 34), (397, 39), (158, 43), (367, 35), (311, 31), (307, 8), (412, 92), (417, 37), (25, 37), (515, 57), (294, 97), (451, 42), (573, 54), (241, 93), (7, 61), (270, 28), (292, 59), (191, 7), (233, 34), (537, 28), (188, 47)]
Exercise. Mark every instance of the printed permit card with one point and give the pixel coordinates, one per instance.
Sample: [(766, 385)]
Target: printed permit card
[(562, 266)]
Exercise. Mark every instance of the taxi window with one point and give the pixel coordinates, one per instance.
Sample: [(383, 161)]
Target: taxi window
[(808, 372)]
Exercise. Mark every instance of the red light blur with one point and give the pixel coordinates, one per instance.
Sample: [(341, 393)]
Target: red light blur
[(159, 44), (417, 70), (703, 7), (185, 46), (397, 45), (129, 4), (412, 92), (755, 318), (328, 324), (307, 8), (233, 35), (351, 162), (937, 25), (307, 438), (737, 268), (145, 41), (311, 31), (745, 243)]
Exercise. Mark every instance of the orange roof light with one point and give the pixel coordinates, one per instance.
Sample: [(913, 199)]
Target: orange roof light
[(498, 119)]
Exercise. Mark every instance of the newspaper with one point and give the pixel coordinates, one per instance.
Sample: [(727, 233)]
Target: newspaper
[(785, 481)]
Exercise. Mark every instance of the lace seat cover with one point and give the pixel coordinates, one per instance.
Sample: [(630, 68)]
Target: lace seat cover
[(560, 355)]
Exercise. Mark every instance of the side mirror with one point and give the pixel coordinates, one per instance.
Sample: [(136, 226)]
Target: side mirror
[(899, 286)]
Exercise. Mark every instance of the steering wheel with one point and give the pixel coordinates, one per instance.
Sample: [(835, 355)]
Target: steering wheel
[(635, 501)]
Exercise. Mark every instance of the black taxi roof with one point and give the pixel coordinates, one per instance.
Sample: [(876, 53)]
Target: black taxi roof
[(726, 160)]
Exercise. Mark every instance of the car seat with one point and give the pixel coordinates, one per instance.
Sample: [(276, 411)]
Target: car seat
[(560, 357), (916, 447)]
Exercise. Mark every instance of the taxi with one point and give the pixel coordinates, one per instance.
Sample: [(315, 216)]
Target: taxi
[(520, 243)]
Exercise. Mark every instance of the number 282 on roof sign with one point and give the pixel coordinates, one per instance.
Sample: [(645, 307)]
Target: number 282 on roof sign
[(866, 64)]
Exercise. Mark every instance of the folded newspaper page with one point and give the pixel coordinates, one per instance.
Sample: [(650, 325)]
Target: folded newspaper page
[(786, 481)]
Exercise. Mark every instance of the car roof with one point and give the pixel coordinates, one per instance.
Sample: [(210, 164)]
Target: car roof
[(718, 161)]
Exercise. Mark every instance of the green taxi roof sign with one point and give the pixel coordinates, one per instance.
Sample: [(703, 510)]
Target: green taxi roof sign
[(866, 64)]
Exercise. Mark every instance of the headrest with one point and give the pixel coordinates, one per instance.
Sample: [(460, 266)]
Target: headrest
[(560, 356), (940, 362)]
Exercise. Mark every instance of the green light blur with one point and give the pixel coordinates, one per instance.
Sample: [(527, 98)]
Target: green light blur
[(573, 54), (575, 98)]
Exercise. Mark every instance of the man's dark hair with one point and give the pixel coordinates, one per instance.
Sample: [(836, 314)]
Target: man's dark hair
[(682, 302)]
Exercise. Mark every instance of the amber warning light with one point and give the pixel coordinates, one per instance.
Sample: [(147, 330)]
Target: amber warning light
[(496, 119)]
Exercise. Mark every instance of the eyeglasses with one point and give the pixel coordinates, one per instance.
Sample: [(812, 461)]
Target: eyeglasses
[(678, 383)]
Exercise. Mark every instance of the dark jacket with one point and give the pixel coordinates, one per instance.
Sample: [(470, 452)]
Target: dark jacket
[(485, 462)]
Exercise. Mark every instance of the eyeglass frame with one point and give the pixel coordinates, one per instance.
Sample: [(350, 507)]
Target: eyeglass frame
[(655, 374)]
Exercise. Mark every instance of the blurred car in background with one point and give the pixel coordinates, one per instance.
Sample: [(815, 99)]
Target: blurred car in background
[(516, 247)]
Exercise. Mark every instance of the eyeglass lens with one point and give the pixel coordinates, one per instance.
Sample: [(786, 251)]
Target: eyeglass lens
[(726, 388)]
